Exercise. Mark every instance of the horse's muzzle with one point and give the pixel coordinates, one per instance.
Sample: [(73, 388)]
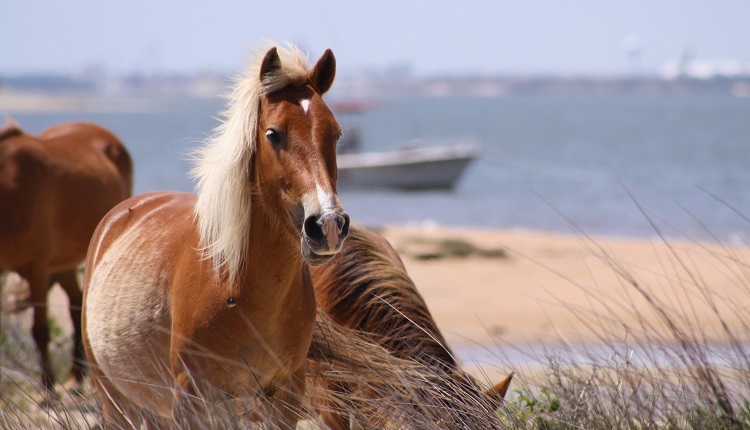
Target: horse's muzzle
[(323, 236)]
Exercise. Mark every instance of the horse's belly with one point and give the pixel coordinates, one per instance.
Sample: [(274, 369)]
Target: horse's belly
[(128, 322)]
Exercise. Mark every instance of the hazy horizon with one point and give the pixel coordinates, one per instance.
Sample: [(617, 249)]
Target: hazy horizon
[(421, 38)]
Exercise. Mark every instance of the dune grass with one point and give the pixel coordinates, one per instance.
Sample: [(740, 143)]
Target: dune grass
[(673, 351), (659, 363)]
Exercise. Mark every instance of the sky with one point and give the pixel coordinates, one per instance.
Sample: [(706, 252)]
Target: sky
[(425, 37)]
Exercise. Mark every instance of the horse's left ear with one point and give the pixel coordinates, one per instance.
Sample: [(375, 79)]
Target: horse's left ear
[(323, 73)]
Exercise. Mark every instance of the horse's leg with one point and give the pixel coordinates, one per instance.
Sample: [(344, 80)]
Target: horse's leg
[(3, 278), (187, 404), (69, 283), (333, 418), (116, 412), (287, 401), (38, 280), (335, 421)]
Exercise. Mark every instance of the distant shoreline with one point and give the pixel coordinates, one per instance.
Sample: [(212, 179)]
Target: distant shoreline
[(14, 101), (215, 84)]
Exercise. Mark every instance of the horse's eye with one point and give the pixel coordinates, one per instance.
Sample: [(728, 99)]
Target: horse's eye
[(273, 136)]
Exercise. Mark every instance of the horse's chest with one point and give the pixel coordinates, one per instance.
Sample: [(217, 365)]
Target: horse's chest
[(254, 327), (257, 338)]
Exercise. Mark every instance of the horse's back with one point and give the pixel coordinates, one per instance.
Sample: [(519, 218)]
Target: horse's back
[(94, 149), (141, 219), (129, 269)]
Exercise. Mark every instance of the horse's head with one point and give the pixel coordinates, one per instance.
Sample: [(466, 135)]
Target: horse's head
[(296, 152), (12, 128), (465, 405)]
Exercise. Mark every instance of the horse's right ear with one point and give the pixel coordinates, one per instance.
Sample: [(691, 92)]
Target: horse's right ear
[(271, 63), (497, 393)]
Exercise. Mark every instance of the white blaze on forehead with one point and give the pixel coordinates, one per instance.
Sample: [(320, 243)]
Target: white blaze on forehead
[(305, 103)]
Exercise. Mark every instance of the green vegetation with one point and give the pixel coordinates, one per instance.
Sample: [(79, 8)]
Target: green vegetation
[(422, 248)]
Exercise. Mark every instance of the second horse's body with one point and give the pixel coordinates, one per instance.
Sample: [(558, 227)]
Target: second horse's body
[(54, 190)]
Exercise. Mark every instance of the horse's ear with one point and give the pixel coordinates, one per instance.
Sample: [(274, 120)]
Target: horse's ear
[(497, 393), (271, 63), (323, 73)]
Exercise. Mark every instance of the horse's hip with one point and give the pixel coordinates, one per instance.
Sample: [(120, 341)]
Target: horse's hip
[(127, 325), (127, 294)]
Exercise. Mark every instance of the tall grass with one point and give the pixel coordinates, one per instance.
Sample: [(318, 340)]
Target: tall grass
[(672, 352)]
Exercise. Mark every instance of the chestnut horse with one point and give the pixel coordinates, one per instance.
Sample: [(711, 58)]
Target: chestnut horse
[(208, 296), (54, 190), (366, 288)]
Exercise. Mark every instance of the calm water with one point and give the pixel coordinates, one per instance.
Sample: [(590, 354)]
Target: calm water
[(596, 163)]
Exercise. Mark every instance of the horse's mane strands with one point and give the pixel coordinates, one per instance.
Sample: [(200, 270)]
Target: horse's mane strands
[(12, 128), (222, 166)]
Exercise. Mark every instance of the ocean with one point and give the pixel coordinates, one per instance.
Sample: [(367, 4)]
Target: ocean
[(617, 165)]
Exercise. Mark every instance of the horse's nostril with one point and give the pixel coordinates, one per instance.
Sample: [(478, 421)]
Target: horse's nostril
[(330, 229), (312, 228), (345, 226)]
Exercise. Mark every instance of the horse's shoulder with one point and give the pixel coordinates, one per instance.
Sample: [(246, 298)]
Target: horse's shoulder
[(22, 155), (13, 138), (20, 178)]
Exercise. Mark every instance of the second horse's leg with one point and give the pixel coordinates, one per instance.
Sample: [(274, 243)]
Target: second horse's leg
[(38, 280), (69, 283)]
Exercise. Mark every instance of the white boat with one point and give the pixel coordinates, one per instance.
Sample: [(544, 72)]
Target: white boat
[(414, 167)]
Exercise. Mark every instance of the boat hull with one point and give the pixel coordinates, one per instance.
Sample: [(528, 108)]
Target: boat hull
[(428, 168)]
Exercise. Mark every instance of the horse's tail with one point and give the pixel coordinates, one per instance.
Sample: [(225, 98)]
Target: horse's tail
[(118, 154), (351, 375)]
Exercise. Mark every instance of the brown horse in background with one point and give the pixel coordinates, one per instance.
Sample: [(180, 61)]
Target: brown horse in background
[(54, 190), (208, 297), (366, 288)]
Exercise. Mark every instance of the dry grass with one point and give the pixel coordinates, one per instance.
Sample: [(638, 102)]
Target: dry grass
[(671, 352), (656, 366)]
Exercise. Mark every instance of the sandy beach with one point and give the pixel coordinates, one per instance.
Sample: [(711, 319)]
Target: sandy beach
[(553, 287)]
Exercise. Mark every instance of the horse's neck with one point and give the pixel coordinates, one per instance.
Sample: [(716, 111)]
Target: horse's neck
[(271, 249)]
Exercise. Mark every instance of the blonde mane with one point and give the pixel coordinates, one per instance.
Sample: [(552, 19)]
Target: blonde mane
[(222, 166)]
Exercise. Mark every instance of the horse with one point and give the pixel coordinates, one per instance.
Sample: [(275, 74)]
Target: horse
[(366, 288), (196, 298), (54, 189)]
